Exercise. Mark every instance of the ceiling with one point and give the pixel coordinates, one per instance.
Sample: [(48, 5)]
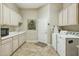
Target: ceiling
[(30, 5)]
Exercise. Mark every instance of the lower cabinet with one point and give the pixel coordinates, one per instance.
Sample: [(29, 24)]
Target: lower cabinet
[(21, 39), (6, 47), (15, 43)]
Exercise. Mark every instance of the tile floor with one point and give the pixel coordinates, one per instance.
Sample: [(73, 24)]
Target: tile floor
[(31, 49)]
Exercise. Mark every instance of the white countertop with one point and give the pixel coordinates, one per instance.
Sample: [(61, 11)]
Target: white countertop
[(11, 34), (68, 36)]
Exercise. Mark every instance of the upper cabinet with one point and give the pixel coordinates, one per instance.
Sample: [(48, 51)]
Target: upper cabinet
[(8, 16), (14, 18), (60, 18), (5, 15), (69, 15), (64, 18), (73, 14)]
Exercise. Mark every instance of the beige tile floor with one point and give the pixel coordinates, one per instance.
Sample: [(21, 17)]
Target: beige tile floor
[(31, 49)]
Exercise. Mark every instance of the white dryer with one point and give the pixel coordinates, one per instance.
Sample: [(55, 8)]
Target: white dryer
[(67, 42)]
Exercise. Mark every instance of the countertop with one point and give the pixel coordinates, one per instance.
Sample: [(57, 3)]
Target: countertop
[(11, 34), (68, 36)]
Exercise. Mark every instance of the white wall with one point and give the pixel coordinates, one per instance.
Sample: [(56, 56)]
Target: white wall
[(27, 15)]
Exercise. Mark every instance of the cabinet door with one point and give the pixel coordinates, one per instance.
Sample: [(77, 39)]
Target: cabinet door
[(15, 43), (24, 35), (72, 14), (14, 18), (6, 15), (6, 47), (65, 16), (61, 18), (19, 19), (21, 39)]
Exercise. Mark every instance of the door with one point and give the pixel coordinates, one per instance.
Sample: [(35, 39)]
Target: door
[(43, 30)]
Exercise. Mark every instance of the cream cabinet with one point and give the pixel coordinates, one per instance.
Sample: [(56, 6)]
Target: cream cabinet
[(8, 16), (64, 21), (69, 15), (15, 43), (14, 18), (61, 18), (6, 47), (73, 14), (21, 39), (5, 15), (9, 45)]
